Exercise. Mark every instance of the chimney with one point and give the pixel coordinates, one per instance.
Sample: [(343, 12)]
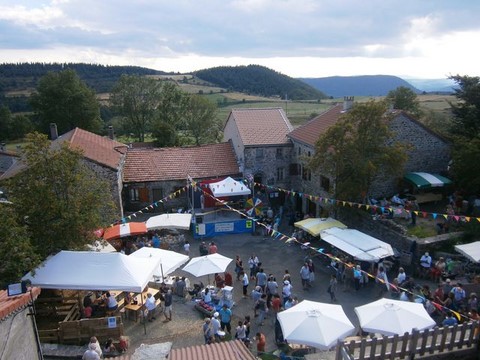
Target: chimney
[(347, 103), (111, 133), (53, 131)]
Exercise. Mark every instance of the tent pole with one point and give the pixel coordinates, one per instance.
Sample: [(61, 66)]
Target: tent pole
[(143, 315)]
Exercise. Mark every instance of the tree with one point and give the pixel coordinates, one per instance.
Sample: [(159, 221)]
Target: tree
[(172, 105), (358, 148), (59, 198), (465, 129), (64, 99), (17, 255), (5, 122), (201, 121), (466, 112), (403, 98), (136, 99)]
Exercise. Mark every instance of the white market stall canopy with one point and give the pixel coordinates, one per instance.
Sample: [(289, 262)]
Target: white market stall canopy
[(423, 180), (169, 221), (359, 245), (90, 270), (471, 251), (315, 225), (229, 187), (169, 261)]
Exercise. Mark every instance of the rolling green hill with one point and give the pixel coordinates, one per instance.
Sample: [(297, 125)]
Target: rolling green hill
[(259, 80)]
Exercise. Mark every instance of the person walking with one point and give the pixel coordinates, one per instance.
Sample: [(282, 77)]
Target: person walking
[(216, 326), (238, 267), (245, 283), (305, 276), (186, 248), (167, 311), (332, 288), (261, 307), (150, 305), (261, 342), (225, 318), (207, 331)]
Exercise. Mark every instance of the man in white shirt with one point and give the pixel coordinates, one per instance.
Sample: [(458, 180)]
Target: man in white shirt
[(150, 305), (426, 263)]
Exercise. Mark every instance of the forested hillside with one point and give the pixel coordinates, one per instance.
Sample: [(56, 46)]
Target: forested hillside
[(24, 76), (259, 80), (366, 85)]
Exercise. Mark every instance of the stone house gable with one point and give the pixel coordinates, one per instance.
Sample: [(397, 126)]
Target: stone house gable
[(259, 139)]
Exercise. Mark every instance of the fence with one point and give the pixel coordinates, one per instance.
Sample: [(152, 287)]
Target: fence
[(428, 343)]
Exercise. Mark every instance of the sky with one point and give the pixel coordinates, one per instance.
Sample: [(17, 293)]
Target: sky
[(421, 39)]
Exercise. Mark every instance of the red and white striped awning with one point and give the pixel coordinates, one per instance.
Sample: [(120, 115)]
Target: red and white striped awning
[(122, 230)]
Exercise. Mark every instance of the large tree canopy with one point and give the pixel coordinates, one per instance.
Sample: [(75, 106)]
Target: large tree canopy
[(403, 98), (357, 149), (136, 100), (466, 134), (17, 255), (58, 198), (63, 98), (201, 123)]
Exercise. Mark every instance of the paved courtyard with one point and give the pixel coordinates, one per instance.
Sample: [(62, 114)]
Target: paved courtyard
[(275, 256)]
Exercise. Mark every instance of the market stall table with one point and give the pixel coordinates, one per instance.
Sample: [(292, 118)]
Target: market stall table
[(138, 302)]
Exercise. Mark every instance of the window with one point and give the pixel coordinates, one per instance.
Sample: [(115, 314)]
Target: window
[(294, 169), (299, 150), (280, 173), (279, 153), (309, 154), (134, 194), (259, 153), (143, 195), (306, 174), (325, 183)]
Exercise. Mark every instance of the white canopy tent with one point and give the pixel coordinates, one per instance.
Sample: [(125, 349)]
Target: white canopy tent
[(169, 261), (170, 221), (471, 251), (90, 270), (229, 187), (357, 244)]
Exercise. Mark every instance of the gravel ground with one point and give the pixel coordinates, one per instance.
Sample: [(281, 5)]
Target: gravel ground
[(186, 327)]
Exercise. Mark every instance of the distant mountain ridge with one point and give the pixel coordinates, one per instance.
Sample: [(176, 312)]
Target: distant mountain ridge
[(365, 85), (259, 80)]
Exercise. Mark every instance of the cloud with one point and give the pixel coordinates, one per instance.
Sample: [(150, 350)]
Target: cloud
[(147, 31)]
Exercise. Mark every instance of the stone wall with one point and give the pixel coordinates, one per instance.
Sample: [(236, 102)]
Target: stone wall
[(157, 190), (427, 153), (268, 163), (17, 336)]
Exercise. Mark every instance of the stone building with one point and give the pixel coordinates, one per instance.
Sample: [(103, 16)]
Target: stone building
[(18, 338), (428, 152), (260, 142), (103, 155), (150, 174)]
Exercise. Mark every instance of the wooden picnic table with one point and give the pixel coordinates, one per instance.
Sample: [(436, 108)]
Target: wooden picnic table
[(140, 299)]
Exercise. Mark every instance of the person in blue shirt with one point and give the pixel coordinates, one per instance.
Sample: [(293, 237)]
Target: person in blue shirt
[(156, 241), (225, 318), (449, 320)]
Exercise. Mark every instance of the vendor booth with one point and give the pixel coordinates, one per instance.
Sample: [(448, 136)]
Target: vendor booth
[(169, 221), (91, 270), (471, 251), (316, 225), (426, 181), (216, 218), (361, 246)]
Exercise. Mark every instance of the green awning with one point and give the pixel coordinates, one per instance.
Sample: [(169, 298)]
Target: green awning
[(423, 180)]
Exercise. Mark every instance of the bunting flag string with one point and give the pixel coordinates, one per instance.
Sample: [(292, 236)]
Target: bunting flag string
[(152, 205), (275, 234), (373, 208)]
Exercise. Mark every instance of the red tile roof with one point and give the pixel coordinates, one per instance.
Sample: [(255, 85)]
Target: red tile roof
[(99, 149), (268, 126), (311, 131), (227, 350), (161, 164), (10, 304)]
